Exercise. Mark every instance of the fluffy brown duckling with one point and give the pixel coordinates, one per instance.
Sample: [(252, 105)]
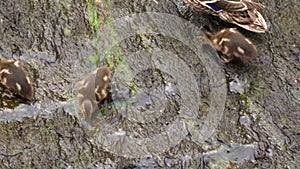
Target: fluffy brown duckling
[(92, 90), (232, 44), (14, 77)]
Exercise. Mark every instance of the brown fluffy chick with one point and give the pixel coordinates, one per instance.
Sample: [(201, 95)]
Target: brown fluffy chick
[(92, 90), (232, 44), (14, 77)]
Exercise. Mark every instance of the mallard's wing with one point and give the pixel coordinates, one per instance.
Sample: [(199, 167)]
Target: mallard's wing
[(237, 5), (240, 12), (251, 20), (197, 4), (226, 5)]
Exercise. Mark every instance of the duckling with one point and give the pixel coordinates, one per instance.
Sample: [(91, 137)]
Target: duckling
[(14, 77), (92, 90), (232, 44), (240, 12)]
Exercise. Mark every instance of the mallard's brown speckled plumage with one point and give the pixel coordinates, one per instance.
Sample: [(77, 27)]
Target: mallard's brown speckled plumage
[(240, 12)]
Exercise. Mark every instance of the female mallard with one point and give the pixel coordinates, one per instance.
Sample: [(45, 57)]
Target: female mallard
[(240, 12)]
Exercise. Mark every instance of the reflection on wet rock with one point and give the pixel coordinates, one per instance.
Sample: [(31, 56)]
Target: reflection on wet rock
[(146, 163), (151, 94), (14, 77), (239, 86), (235, 153), (21, 112), (92, 90)]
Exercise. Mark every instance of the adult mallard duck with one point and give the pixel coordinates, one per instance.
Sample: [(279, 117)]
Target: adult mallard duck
[(240, 12)]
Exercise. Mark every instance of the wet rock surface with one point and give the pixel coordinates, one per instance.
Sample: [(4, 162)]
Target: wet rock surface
[(59, 44)]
